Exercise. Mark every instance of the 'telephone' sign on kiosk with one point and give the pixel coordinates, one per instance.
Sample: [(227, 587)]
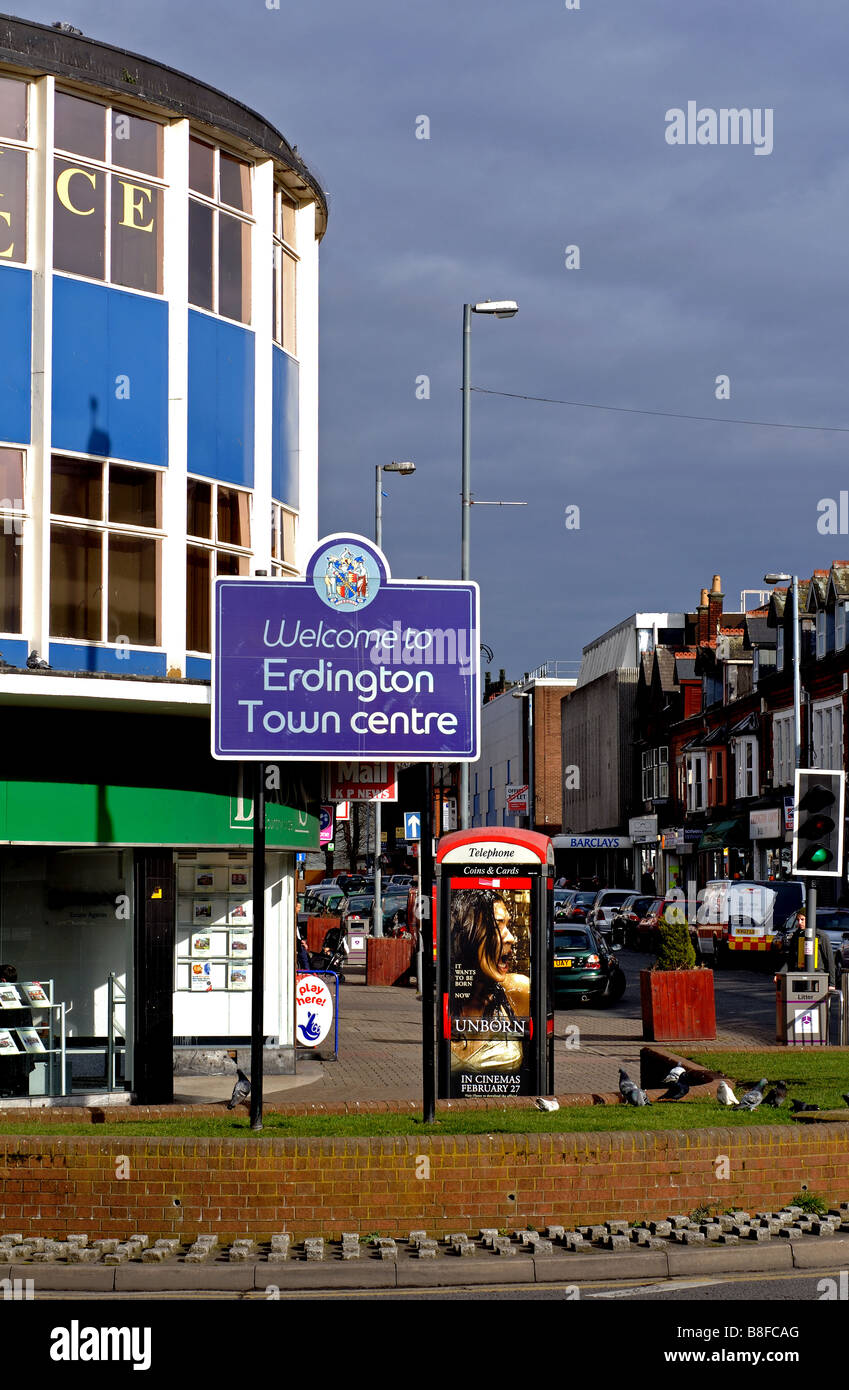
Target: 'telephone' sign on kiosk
[(346, 663)]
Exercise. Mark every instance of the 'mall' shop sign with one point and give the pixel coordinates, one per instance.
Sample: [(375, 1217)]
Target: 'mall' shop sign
[(346, 663)]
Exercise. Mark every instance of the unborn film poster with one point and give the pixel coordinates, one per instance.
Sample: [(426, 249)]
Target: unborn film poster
[(489, 988)]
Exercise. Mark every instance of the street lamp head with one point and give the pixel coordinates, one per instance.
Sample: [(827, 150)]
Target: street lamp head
[(501, 308), (777, 578), (405, 467)]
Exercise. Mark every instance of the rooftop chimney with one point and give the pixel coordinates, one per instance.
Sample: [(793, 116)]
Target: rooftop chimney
[(703, 599), (716, 587)]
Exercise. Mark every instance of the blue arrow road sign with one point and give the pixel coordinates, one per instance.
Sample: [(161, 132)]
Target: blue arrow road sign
[(412, 825)]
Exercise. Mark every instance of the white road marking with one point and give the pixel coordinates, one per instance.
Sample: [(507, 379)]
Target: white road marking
[(666, 1287)]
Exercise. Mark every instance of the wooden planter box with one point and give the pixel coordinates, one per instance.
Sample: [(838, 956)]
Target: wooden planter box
[(677, 1005), (389, 960)]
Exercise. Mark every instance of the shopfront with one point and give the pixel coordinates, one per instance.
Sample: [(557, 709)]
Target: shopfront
[(127, 895)]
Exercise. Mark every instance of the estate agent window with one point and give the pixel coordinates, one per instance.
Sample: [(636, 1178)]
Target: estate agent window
[(827, 732), (746, 762), (219, 524), (285, 265), (14, 130), (108, 194), (219, 232), (12, 516), (105, 553)]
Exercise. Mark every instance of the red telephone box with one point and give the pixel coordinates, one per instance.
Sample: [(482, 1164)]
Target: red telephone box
[(495, 903)]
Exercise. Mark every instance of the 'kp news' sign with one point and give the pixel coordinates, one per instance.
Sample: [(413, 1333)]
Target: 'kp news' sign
[(345, 663)]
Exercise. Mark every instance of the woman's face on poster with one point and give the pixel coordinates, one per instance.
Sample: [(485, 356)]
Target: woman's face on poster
[(499, 967)]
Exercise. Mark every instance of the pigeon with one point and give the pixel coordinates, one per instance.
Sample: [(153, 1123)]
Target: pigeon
[(678, 1090), (797, 1106), (846, 1097), (725, 1095), (675, 1075), (630, 1091), (753, 1098), (777, 1095), (241, 1090), (37, 663), (543, 1104)]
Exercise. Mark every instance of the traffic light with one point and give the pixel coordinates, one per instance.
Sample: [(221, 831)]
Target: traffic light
[(818, 823)]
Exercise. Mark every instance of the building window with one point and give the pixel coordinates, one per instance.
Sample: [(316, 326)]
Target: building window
[(219, 232), (655, 774), (219, 525), (283, 527), (822, 634), (746, 766), (12, 516), (840, 626), (14, 134), (105, 558), (827, 734), (783, 749), (108, 194), (716, 777), (779, 649), (696, 781), (285, 267)]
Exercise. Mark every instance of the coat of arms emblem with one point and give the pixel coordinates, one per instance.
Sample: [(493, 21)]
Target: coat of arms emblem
[(346, 580)]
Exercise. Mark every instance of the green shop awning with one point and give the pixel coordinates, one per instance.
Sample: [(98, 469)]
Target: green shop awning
[(722, 834)]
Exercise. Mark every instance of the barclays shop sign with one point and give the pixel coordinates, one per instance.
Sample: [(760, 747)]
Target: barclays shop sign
[(592, 842), (346, 663)]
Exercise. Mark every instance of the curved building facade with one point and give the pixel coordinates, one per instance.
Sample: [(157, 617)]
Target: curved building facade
[(158, 428)]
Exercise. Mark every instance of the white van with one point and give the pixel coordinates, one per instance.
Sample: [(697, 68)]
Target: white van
[(745, 914)]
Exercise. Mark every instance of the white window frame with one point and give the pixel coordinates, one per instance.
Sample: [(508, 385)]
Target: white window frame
[(213, 544), (827, 733), (746, 779), (822, 634), (218, 207), (27, 146), (840, 625), (696, 774), (779, 648), (783, 748)]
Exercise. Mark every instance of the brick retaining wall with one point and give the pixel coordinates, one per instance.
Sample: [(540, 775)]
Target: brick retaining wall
[(183, 1187)]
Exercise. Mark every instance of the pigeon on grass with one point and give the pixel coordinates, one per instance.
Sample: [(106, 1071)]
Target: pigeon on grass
[(543, 1104), (241, 1090), (753, 1098), (797, 1106), (678, 1089), (777, 1095), (725, 1095), (630, 1091)]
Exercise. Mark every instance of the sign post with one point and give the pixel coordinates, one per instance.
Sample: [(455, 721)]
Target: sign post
[(343, 665)]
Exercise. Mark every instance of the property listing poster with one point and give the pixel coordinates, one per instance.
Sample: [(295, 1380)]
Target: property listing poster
[(489, 987)]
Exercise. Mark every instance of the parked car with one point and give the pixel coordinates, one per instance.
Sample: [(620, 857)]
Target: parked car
[(608, 901), (562, 900), (359, 910), (644, 935), (579, 905), (627, 918), (585, 967)]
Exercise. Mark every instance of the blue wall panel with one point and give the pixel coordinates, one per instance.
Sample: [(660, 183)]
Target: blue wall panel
[(284, 429), (120, 661), (100, 334), (14, 651), (15, 354), (198, 668), (221, 400)]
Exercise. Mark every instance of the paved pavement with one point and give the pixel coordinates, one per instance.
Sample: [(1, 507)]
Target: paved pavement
[(380, 1041)]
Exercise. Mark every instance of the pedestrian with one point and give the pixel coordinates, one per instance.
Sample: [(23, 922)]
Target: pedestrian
[(825, 961)]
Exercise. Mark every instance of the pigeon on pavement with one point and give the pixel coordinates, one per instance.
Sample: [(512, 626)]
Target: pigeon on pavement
[(777, 1095), (725, 1095), (678, 1090), (675, 1075), (799, 1105), (37, 663), (753, 1098), (630, 1091), (241, 1090), (543, 1104)]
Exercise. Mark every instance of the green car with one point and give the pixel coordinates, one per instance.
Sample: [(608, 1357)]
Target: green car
[(585, 967)]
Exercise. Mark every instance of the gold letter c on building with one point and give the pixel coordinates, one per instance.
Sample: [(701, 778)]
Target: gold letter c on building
[(64, 192)]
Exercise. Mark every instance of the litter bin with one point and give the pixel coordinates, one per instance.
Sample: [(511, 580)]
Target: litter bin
[(802, 1008)]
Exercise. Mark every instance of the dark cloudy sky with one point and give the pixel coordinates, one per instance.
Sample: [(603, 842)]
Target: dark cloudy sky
[(547, 128)]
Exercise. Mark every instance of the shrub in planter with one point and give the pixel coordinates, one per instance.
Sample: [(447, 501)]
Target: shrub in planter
[(676, 995)]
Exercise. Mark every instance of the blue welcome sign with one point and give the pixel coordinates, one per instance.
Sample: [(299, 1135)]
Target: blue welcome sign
[(346, 663)]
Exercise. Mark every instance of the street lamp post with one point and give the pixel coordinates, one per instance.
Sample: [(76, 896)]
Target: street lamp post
[(501, 309), (405, 469), (780, 578)]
